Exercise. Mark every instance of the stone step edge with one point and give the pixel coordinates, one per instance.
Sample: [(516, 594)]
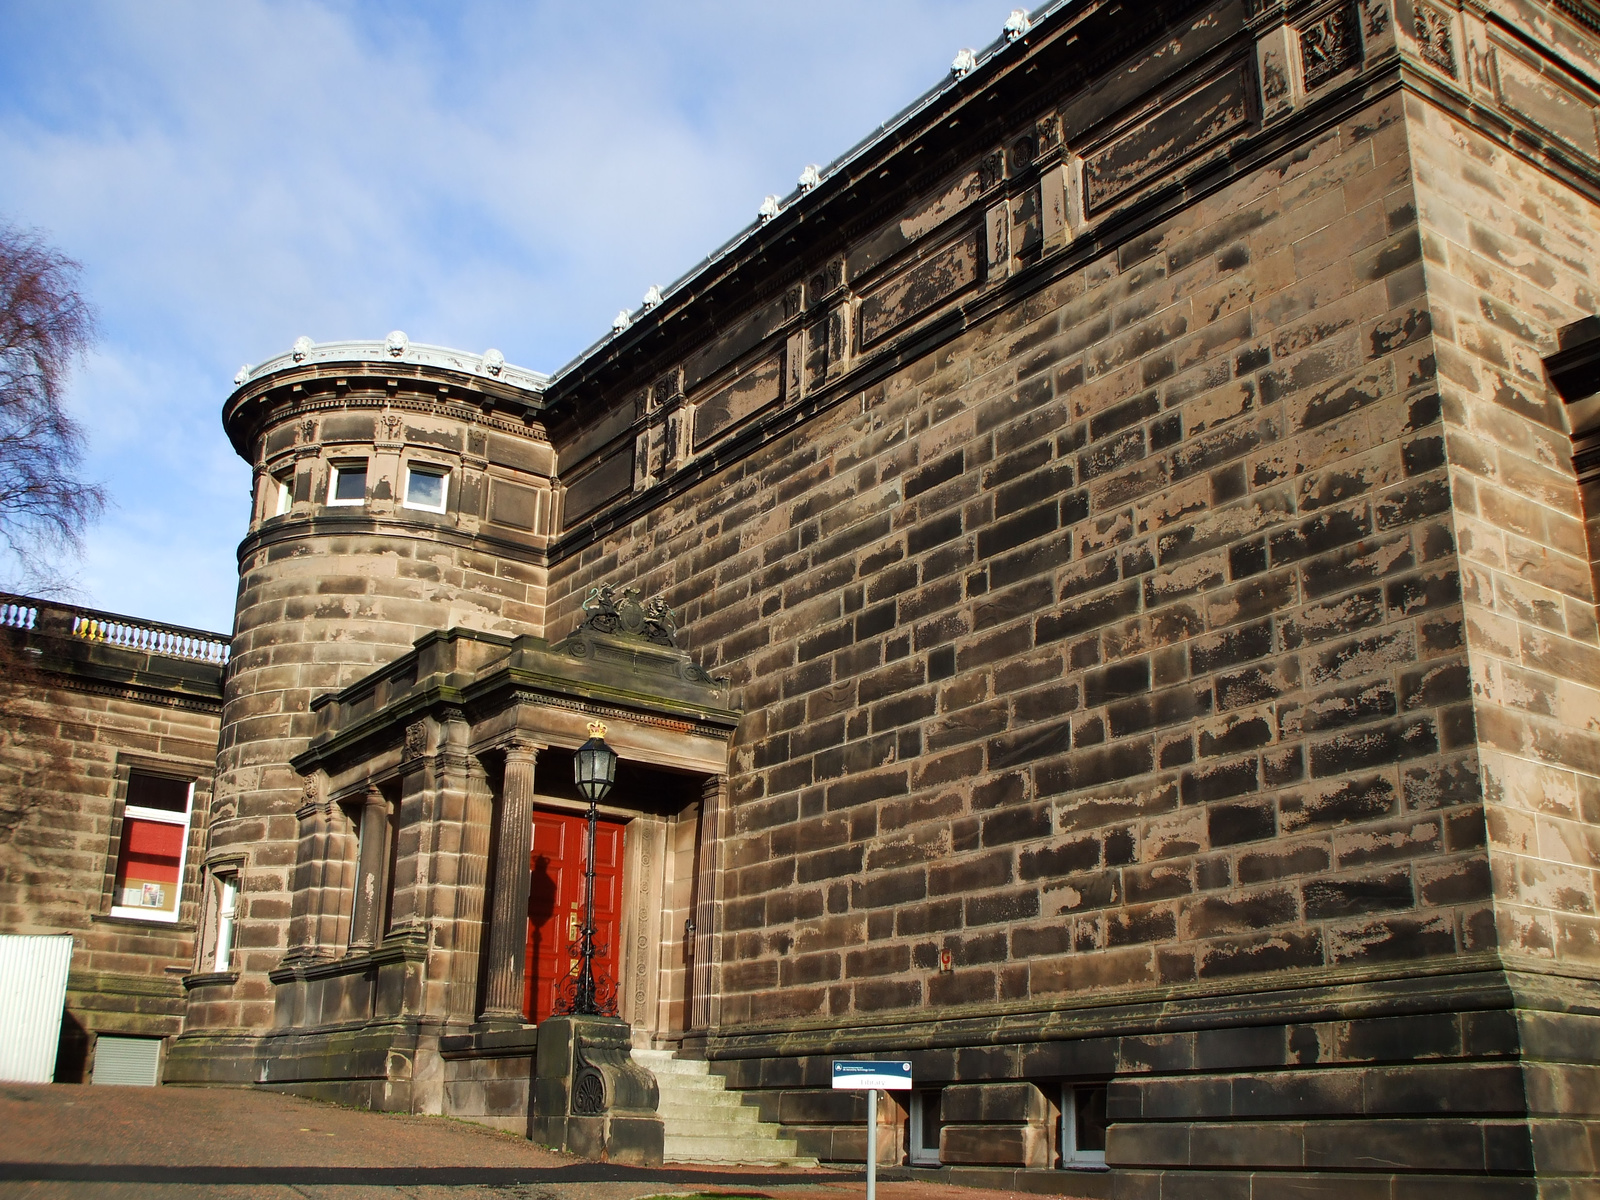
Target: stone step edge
[(686, 1160), (741, 1162), (728, 1153), (725, 1115), (741, 1132)]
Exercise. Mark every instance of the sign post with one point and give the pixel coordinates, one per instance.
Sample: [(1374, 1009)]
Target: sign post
[(871, 1075)]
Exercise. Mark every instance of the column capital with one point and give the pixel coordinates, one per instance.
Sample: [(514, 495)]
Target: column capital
[(523, 749)]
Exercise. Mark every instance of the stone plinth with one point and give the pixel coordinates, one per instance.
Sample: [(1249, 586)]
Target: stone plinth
[(589, 1097)]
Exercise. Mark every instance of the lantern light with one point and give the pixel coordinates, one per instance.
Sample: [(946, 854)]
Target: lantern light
[(594, 770), (594, 766)]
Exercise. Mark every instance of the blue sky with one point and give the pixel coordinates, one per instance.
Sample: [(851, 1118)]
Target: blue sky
[(235, 174)]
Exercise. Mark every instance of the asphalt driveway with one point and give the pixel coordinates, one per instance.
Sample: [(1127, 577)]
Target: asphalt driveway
[(59, 1141)]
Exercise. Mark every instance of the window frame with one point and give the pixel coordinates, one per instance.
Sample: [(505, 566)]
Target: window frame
[(161, 816), (227, 899), (283, 494), (1072, 1158), (441, 473), (338, 467)]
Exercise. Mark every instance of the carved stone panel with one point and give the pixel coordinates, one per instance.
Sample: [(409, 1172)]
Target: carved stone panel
[(1435, 39), (1169, 135), (824, 281), (991, 170), (742, 337), (610, 477), (1330, 45), (914, 291), (1274, 70), (514, 505), (1538, 97), (749, 394)]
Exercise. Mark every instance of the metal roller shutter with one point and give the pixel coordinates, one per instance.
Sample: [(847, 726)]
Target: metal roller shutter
[(127, 1060)]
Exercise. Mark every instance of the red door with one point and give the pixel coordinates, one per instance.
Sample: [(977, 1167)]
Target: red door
[(555, 905)]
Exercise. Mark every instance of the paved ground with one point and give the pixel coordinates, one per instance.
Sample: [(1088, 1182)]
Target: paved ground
[(60, 1142)]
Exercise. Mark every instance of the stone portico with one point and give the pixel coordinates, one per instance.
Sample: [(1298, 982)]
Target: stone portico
[(404, 983)]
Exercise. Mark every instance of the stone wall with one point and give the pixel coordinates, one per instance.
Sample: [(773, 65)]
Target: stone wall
[(79, 715), (1510, 251), (1095, 592)]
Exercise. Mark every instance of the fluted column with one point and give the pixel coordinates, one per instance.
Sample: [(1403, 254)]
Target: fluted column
[(713, 799), (508, 922), (374, 854)]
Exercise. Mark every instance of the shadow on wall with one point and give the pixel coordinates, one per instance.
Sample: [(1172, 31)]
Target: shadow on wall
[(72, 1051)]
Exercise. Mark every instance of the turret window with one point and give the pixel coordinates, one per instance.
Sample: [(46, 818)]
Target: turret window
[(347, 482), (427, 487)]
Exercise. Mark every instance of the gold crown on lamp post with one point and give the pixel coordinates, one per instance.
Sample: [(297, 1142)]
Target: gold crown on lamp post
[(597, 729)]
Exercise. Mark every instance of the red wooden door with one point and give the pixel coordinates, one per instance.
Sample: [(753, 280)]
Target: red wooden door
[(555, 905)]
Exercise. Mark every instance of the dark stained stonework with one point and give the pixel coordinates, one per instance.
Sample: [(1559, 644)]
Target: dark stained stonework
[(1133, 619)]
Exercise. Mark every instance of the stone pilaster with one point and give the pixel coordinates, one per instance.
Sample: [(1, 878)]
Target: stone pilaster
[(471, 878), (366, 922), (713, 799)]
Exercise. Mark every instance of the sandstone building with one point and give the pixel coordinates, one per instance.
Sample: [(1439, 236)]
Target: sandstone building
[(1127, 636), (108, 736)]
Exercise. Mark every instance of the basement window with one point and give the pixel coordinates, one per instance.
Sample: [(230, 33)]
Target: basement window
[(154, 843), (1083, 1125), (922, 1130), (347, 482), (427, 488)]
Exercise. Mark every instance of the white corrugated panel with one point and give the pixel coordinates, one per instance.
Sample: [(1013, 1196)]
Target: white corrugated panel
[(33, 993), (127, 1060)]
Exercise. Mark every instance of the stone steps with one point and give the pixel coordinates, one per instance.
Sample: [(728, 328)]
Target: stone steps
[(703, 1122)]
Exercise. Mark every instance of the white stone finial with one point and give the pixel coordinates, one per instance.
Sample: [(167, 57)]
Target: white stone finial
[(810, 177), (1017, 24), (622, 320), (302, 347), (241, 375), (494, 362), (396, 343), (653, 296), (768, 209), (964, 62)]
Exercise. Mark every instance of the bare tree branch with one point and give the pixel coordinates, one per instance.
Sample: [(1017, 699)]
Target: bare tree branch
[(45, 328)]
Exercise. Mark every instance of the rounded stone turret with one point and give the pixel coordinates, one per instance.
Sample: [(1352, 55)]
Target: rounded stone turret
[(398, 489)]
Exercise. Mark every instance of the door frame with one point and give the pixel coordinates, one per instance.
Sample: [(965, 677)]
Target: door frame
[(639, 924)]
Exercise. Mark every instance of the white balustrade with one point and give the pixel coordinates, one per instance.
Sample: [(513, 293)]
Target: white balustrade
[(150, 637)]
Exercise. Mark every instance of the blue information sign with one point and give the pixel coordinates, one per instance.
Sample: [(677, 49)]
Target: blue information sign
[(888, 1074)]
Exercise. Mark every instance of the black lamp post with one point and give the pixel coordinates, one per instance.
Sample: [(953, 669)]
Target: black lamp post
[(594, 770)]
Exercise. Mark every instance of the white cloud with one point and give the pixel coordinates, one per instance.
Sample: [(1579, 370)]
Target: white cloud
[(486, 174)]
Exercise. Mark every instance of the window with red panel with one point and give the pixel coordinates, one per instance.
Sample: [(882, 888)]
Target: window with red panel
[(150, 858)]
